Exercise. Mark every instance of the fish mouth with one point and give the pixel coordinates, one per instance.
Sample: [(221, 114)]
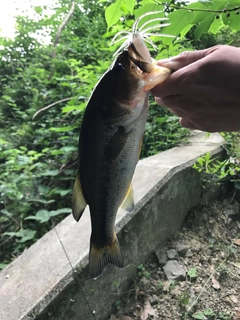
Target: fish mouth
[(149, 71), (145, 67), (134, 55)]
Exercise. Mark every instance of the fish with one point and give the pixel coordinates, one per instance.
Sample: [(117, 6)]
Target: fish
[(109, 148)]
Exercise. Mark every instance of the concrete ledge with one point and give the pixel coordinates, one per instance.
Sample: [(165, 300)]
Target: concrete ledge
[(40, 283)]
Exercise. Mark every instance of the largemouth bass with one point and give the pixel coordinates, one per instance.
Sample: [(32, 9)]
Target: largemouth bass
[(109, 147)]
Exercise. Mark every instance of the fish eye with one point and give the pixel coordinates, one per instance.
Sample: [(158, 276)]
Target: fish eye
[(119, 67)]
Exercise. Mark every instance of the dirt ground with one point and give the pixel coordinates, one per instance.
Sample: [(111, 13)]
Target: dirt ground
[(207, 284)]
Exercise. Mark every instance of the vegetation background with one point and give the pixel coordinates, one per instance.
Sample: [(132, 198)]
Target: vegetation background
[(53, 62)]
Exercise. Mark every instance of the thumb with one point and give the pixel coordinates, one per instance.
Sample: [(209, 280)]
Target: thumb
[(183, 59)]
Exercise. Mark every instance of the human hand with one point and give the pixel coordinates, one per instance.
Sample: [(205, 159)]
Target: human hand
[(204, 89)]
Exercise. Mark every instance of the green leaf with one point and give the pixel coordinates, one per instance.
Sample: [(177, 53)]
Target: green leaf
[(45, 215), (161, 120), (3, 265), (23, 234), (62, 129), (215, 26), (198, 15), (56, 152), (70, 109), (185, 30), (65, 84), (130, 5), (209, 312), (204, 25), (54, 213), (192, 273), (113, 13), (233, 20), (148, 7), (41, 216), (179, 20), (63, 192), (41, 200), (51, 173), (199, 315), (38, 9), (69, 148)]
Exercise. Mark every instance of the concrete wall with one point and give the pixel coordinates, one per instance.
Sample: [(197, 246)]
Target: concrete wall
[(40, 283)]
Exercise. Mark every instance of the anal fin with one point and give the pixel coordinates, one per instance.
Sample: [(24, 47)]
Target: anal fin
[(128, 202), (78, 201)]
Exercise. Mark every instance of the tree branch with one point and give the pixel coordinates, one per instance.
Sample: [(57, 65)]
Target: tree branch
[(173, 6), (49, 106), (61, 27)]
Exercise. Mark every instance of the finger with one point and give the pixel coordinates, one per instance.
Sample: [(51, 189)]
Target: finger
[(183, 59), (180, 112), (160, 102), (198, 125), (166, 102), (171, 87), (177, 102)]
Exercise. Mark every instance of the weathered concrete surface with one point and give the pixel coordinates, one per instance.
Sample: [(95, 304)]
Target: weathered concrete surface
[(40, 285)]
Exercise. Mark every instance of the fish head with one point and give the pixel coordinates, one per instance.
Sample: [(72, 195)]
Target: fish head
[(135, 71), (122, 93)]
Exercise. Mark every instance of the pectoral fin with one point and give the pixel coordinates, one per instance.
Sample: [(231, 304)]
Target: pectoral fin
[(128, 202), (78, 201)]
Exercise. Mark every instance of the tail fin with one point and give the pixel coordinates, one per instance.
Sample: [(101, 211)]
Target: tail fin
[(100, 257)]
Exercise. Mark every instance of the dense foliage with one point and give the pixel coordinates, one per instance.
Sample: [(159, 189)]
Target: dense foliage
[(54, 66)]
